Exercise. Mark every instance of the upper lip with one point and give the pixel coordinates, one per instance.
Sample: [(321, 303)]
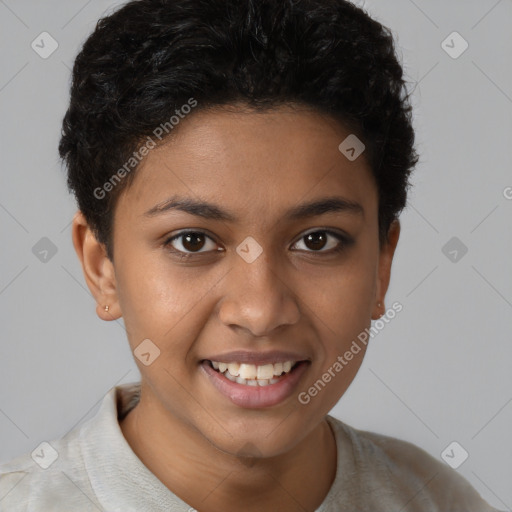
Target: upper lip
[(257, 358)]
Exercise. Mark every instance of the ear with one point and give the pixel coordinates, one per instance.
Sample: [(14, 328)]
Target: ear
[(98, 269), (387, 252)]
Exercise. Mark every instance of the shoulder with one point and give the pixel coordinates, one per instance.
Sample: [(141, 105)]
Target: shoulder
[(410, 471), (52, 477), (66, 474)]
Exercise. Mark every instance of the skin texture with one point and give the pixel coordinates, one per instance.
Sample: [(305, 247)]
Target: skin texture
[(294, 296)]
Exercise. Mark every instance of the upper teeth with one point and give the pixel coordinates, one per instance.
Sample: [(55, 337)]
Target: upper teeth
[(252, 371)]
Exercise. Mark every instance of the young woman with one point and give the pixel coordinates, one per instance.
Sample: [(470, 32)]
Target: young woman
[(239, 168)]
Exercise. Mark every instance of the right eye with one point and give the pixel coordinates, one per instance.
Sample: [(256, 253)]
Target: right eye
[(189, 242)]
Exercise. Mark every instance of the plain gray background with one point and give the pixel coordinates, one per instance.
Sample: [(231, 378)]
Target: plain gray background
[(439, 372)]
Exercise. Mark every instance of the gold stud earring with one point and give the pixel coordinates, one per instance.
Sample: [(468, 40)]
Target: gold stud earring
[(106, 308)]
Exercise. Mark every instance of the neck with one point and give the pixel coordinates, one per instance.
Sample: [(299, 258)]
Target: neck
[(212, 480)]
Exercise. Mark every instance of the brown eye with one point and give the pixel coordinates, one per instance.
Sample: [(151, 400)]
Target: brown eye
[(193, 241), (190, 242), (317, 241)]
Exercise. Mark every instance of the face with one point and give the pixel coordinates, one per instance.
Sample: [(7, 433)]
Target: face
[(220, 256)]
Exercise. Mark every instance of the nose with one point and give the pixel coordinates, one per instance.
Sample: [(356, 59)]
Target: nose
[(258, 298)]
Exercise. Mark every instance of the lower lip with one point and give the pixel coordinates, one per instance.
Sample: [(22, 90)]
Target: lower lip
[(254, 397)]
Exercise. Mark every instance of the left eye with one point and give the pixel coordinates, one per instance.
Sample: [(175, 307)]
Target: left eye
[(316, 240)]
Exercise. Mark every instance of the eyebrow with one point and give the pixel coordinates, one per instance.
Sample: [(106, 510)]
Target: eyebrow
[(299, 212)]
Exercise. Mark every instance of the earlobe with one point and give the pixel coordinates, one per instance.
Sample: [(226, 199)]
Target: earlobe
[(387, 252), (377, 313), (97, 268)]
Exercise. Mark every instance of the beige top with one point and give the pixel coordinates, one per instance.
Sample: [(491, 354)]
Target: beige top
[(96, 469)]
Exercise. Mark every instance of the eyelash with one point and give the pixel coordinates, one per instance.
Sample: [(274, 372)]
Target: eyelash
[(344, 240)]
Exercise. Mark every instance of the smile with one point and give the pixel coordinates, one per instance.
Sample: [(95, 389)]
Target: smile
[(255, 386), (251, 374)]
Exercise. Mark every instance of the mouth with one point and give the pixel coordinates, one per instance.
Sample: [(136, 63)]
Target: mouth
[(252, 374), (255, 385)]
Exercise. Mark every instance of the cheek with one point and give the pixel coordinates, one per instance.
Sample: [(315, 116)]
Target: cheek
[(343, 299), (162, 301), (341, 308), (341, 311)]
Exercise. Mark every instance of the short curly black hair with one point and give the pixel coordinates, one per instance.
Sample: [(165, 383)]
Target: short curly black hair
[(148, 58)]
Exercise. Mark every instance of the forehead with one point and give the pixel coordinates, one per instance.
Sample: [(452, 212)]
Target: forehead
[(253, 162)]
